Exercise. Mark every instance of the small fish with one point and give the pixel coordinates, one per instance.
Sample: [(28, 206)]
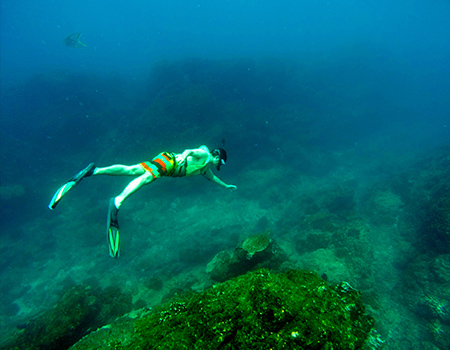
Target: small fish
[(73, 40)]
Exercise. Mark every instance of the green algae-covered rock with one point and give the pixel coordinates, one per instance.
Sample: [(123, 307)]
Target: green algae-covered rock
[(261, 310)]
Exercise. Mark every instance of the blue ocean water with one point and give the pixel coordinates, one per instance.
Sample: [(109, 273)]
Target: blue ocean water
[(335, 116)]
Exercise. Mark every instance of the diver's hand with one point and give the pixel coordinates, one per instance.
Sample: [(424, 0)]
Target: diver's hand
[(232, 188)]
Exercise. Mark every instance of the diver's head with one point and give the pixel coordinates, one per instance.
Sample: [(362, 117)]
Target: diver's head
[(220, 157)]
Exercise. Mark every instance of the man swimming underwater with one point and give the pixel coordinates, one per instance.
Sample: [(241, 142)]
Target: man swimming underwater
[(188, 163)]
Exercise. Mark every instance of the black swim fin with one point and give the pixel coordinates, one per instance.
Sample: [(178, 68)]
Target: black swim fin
[(69, 184), (112, 230)]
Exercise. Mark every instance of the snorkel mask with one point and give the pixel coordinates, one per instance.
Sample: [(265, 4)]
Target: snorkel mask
[(222, 156)]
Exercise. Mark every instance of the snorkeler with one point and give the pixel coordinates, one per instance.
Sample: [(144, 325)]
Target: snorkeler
[(189, 163), (73, 40)]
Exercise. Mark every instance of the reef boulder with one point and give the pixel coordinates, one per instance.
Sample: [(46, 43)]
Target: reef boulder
[(258, 310)]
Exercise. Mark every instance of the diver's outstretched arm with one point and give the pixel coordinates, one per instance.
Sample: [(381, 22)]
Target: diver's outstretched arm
[(211, 177)]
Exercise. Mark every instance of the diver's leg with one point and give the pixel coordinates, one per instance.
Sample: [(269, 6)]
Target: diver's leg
[(112, 225), (132, 187), (120, 170)]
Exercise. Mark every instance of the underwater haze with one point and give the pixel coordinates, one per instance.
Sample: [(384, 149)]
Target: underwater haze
[(335, 116)]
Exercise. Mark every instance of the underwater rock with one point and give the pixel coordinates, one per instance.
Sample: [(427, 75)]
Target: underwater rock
[(63, 325), (321, 221), (154, 283), (434, 306), (227, 264), (441, 268), (440, 333), (120, 334), (341, 200), (436, 225), (385, 207), (313, 241), (80, 309), (12, 191), (258, 310)]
